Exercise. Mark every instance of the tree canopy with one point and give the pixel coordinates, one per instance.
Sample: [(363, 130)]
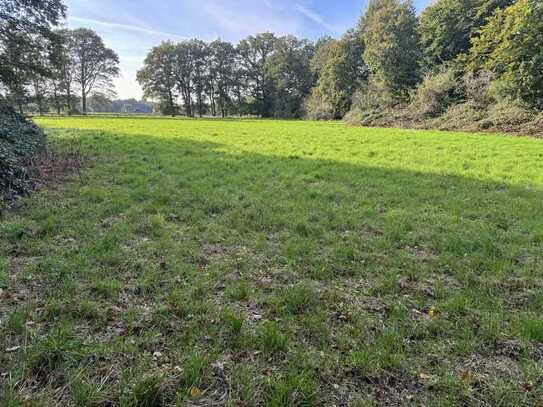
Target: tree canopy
[(391, 43), (510, 45)]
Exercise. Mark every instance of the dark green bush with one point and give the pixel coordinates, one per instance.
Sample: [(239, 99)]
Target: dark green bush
[(20, 142)]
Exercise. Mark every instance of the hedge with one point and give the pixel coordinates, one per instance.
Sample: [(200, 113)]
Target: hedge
[(20, 142)]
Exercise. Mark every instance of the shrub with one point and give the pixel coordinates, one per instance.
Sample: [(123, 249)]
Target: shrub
[(462, 116), (20, 142), (373, 104), (435, 94), (508, 115), (535, 127), (316, 108), (478, 89)]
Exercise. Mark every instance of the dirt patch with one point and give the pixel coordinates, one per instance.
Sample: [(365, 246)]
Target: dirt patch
[(420, 253)]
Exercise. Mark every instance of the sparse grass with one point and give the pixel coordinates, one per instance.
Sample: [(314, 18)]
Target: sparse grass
[(246, 262)]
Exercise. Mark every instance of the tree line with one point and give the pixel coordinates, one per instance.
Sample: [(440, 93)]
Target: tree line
[(60, 68), (480, 61), (393, 61), (263, 75)]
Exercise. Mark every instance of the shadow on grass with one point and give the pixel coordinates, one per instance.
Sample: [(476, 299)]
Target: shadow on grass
[(337, 256), (335, 214)]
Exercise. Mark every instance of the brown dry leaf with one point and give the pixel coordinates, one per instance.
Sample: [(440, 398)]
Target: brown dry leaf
[(466, 377), (425, 376)]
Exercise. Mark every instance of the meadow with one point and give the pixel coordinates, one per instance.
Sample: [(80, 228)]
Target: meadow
[(281, 263)]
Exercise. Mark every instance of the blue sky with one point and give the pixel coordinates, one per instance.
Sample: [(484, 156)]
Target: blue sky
[(132, 27)]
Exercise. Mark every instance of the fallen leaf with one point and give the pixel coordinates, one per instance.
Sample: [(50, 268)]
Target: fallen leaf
[(195, 392), (466, 377)]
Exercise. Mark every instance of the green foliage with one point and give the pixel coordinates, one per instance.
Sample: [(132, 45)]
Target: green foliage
[(265, 76), (157, 77), (289, 68), (435, 94), (25, 35), (20, 142), (509, 45), (392, 52), (93, 64), (340, 71), (447, 27), (271, 339), (254, 53)]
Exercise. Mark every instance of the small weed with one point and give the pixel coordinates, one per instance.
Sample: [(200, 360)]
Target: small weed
[(531, 327), (15, 323), (239, 291), (296, 389), (271, 339), (89, 310), (146, 393), (385, 352), (59, 347), (244, 386), (298, 298), (108, 289), (233, 322), (194, 368)]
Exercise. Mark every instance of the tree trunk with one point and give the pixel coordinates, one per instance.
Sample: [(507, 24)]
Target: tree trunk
[(57, 101), (69, 101), (84, 102), (170, 101), (39, 98)]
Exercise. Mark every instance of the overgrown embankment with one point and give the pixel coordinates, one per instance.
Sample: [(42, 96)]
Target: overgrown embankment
[(20, 143)]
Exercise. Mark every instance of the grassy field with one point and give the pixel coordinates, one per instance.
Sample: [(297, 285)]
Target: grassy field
[(206, 262)]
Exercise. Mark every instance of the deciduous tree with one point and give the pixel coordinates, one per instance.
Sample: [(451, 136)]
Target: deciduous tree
[(392, 52), (510, 46), (157, 77), (94, 65), (254, 52), (447, 26)]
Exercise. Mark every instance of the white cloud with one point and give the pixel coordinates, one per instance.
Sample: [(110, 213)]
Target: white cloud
[(245, 19), (315, 17), (126, 27)]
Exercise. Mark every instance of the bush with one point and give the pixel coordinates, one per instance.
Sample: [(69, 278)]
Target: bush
[(316, 108), (535, 127), (478, 88), (435, 94), (374, 105), (462, 116), (20, 142), (508, 115)]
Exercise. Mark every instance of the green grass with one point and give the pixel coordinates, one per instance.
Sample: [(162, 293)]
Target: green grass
[(246, 262)]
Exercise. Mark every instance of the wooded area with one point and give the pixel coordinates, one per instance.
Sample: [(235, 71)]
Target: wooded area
[(475, 64)]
